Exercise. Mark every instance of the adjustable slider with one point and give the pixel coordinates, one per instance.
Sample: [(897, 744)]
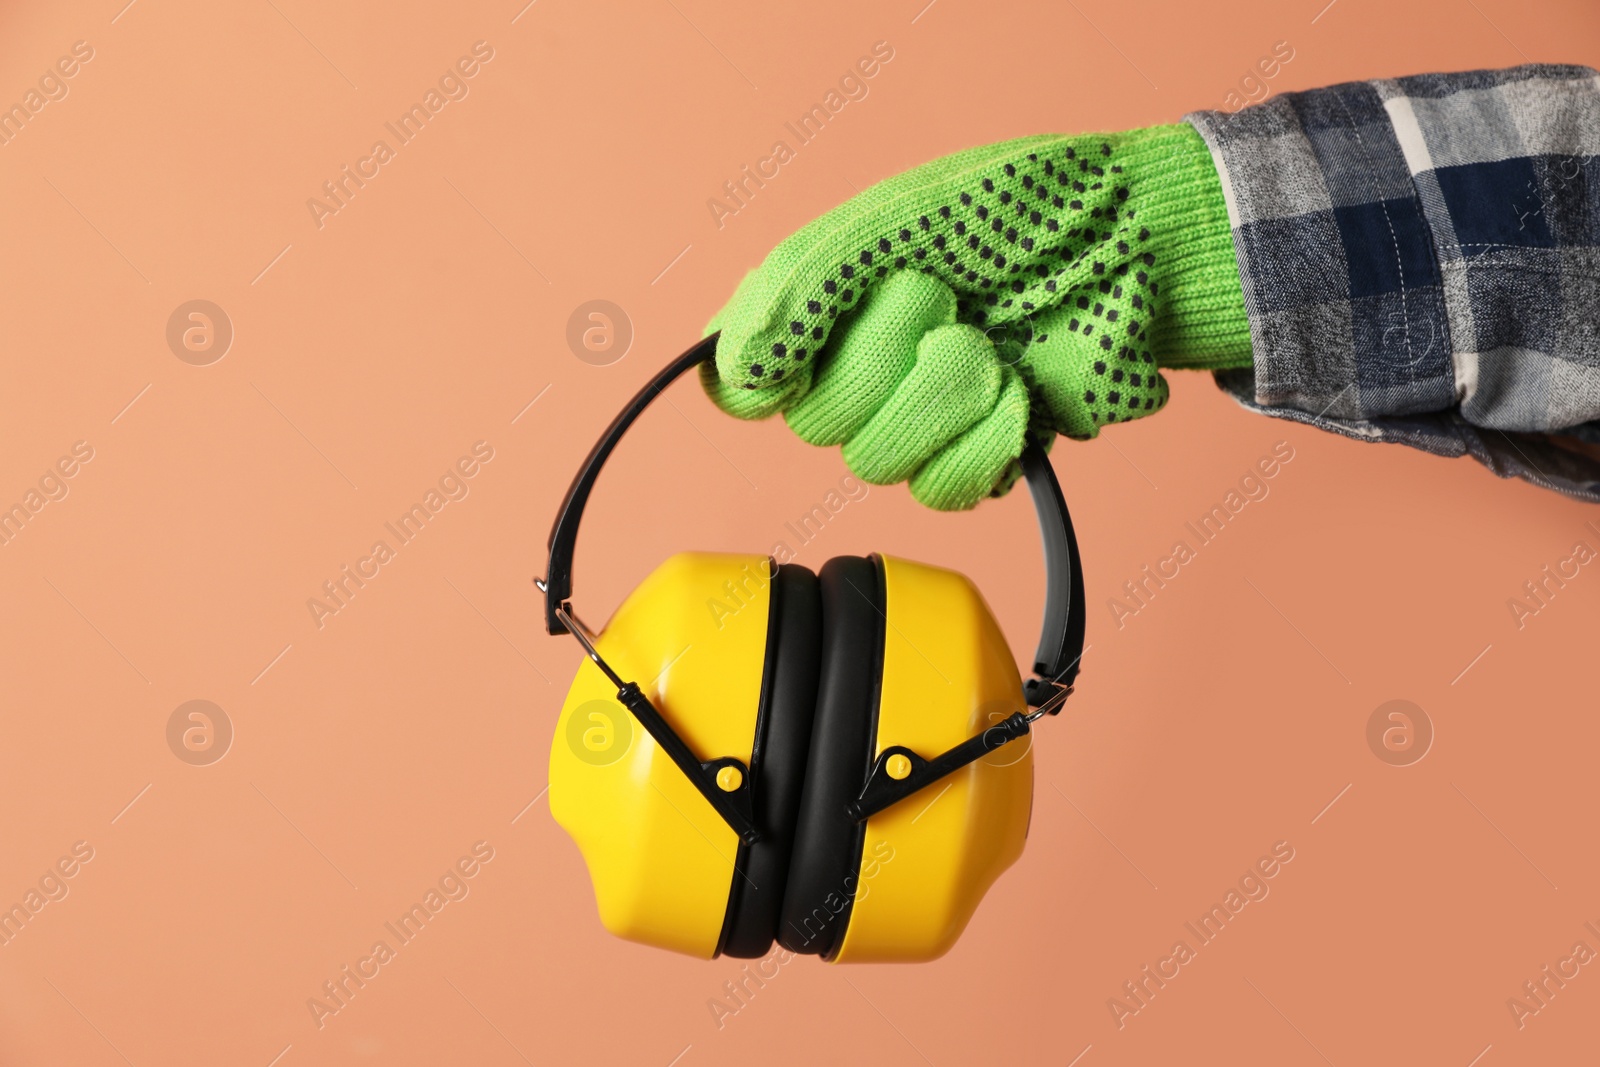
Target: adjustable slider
[(723, 782), (898, 772)]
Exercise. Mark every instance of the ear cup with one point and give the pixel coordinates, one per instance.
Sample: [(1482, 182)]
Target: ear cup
[(826, 858), (926, 863), (694, 636), (778, 761)]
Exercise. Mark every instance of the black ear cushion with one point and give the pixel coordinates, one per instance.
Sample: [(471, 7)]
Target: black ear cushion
[(778, 761), (827, 843)]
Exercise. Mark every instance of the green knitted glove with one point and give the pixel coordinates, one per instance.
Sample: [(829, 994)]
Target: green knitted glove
[(932, 321)]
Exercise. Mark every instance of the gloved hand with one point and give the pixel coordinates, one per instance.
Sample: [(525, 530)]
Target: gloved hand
[(930, 322)]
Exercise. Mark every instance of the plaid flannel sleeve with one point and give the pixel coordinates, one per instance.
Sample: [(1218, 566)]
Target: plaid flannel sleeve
[(1421, 263)]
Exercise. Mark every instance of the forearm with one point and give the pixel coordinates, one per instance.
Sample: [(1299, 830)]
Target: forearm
[(1403, 260), (1430, 238)]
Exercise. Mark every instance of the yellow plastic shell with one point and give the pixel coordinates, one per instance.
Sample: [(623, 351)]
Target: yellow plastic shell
[(693, 636), (927, 861)]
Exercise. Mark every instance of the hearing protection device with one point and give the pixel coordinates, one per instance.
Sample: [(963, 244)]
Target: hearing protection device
[(826, 759)]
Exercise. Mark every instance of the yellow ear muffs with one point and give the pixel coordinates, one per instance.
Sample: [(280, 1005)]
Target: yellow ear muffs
[(838, 761), (911, 658), (889, 653)]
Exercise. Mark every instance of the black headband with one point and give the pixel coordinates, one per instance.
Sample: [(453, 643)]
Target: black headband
[(1061, 637)]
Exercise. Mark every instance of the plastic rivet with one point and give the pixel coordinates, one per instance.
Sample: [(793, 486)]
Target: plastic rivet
[(729, 779), (898, 767)]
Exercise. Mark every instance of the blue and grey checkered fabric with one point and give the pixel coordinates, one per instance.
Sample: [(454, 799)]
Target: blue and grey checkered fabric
[(1421, 263)]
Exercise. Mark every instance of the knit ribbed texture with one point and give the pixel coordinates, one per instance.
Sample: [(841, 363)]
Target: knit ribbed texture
[(929, 323)]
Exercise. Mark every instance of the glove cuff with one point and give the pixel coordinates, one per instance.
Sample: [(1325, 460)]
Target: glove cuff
[(1202, 323)]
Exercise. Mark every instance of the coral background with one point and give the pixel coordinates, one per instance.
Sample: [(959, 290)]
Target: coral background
[(373, 347)]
